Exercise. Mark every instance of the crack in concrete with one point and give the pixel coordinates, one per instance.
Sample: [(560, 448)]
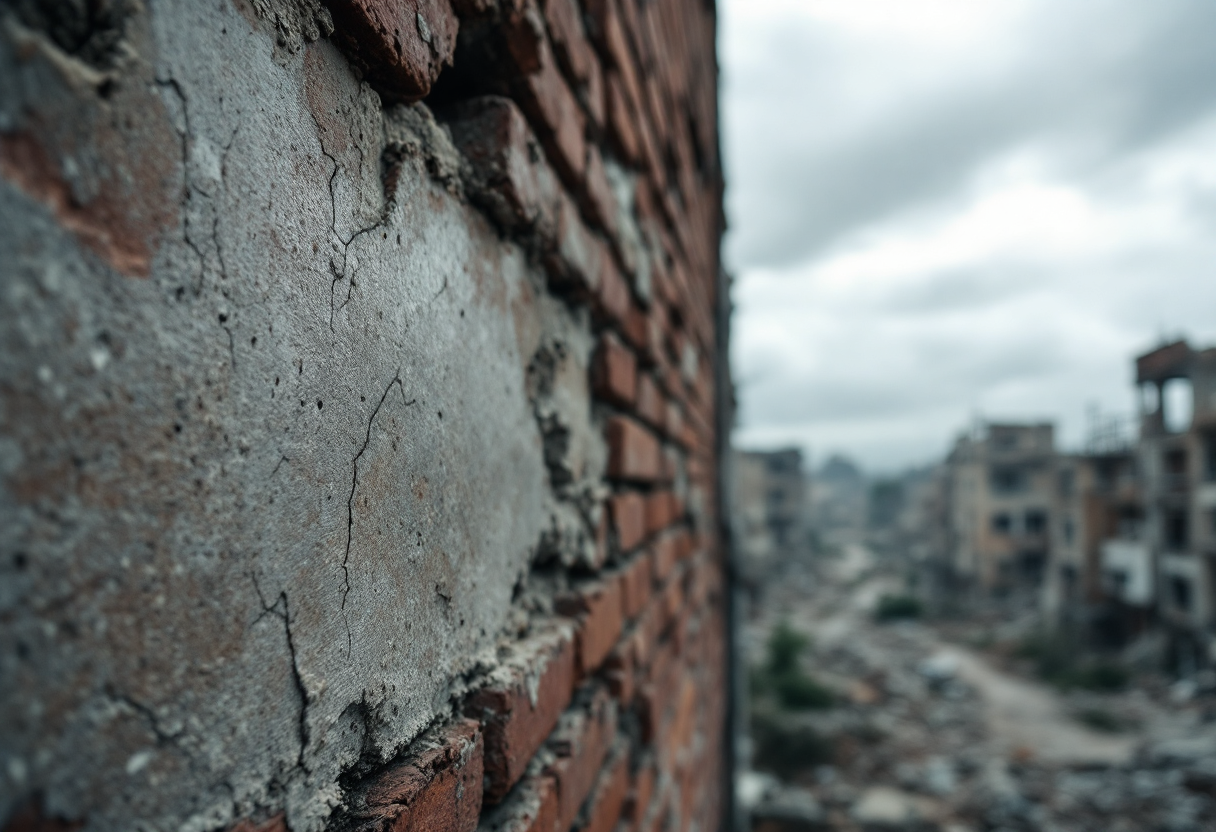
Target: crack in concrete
[(339, 272), (350, 502), (163, 737), (171, 84), (297, 677)]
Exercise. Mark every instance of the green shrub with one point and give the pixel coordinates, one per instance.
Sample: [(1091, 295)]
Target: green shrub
[(783, 678), (799, 692), (894, 607), (1100, 720), (1059, 660), (784, 749), (1102, 676), (785, 646)]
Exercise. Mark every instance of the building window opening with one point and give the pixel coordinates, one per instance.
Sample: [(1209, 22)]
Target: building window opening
[(1178, 405), (1068, 577), (1067, 482), (1008, 480), (1209, 457), (1069, 531), (1175, 468), (1150, 398), (1131, 524), (1036, 521), (1177, 533), (1001, 523), (1180, 592)]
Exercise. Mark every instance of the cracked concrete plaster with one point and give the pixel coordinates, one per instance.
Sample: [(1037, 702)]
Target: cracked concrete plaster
[(270, 468)]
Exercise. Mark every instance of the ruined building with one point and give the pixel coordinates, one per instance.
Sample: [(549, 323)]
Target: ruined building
[(1176, 460), (361, 369), (999, 489), (769, 503)]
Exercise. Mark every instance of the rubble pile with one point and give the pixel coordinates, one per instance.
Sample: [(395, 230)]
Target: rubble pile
[(910, 743)]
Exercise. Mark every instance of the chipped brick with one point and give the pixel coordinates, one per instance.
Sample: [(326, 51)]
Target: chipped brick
[(633, 451), (614, 372), (438, 788), (400, 45), (522, 704), (608, 797), (597, 605), (581, 743)]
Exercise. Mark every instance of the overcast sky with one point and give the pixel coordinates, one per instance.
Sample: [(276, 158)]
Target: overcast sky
[(944, 209)]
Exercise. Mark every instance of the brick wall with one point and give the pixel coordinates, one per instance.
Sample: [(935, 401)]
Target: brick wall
[(360, 429)]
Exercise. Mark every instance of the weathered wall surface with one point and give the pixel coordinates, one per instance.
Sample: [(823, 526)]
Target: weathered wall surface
[(357, 422)]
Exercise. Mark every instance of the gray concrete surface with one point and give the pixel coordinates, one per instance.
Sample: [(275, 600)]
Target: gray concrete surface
[(270, 464)]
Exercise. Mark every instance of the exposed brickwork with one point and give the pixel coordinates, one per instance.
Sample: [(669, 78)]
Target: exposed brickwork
[(600, 610), (633, 451), (521, 708), (438, 788), (401, 45), (574, 143)]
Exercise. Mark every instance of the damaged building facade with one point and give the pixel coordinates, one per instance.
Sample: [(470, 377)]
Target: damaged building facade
[(360, 416), (1174, 545)]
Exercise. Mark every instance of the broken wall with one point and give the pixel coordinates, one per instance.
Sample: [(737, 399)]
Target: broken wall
[(358, 428)]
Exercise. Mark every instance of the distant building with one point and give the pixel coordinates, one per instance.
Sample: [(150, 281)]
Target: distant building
[(838, 502), (770, 505), (1177, 464), (1000, 484), (1096, 544)]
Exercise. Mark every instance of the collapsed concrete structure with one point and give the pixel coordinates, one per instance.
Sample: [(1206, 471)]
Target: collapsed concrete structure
[(1176, 460), (362, 376), (1000, 482), (770, 512)]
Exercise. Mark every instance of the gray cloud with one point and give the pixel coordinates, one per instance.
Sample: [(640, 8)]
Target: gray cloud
[(1113, 76)]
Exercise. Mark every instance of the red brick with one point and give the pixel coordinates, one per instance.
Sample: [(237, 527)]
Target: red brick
[(575, 54), (628, 518), (608, 799), (685, 545), (666, 554), (520, 709), (633, 327), (623, 132), (661, 511), (684, 720), (598, 607), (599, 202), (610, 36), (555, 113), (641, 792), (650, 404), (517, 187), (523, 29), (531, 807), (672, 598), (575, 257), (620, 671), (633, 451), (437, 789), (612, 300), (400, 46), (645, 635), (614, 372), (581, 742), (636, 579), (674, 423)]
